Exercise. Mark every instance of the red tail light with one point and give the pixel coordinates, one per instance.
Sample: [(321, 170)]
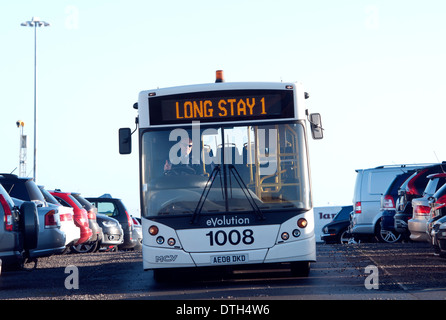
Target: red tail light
[(9, 223), (130, 222), (91, 215), (411, 188), (440, 203), (358, 208), (422, 210), (66, 217), (51, 219), (388, 202)]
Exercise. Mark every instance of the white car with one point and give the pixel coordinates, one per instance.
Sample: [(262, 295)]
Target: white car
[(72, 232)]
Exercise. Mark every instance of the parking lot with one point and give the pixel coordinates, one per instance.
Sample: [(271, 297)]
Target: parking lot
[(405, 270)]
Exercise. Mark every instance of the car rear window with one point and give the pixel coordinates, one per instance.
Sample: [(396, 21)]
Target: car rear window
[(27, 191)]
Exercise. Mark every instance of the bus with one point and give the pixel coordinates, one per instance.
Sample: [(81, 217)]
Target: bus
[(225, 176)]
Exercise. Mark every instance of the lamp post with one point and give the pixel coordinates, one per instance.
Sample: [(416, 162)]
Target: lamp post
[(35, 22), (22, 149)]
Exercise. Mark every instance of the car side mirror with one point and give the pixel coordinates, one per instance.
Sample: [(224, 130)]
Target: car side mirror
[(316, 126), (125, 141)]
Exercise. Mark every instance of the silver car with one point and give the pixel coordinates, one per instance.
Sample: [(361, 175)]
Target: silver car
[(18, 231), (51, 239), (421, 209)]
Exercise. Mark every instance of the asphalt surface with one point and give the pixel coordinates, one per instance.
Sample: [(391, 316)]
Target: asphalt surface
[(405, 271)]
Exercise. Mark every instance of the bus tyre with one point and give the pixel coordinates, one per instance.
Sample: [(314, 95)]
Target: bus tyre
[(300, 268), (29, 223)]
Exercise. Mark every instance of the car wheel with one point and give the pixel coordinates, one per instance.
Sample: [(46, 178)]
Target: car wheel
[(85, 247), (344, 237), (386, 236)]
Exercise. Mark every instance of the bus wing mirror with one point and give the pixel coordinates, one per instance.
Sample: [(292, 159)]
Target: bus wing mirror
[(316, 126), (125, 141)]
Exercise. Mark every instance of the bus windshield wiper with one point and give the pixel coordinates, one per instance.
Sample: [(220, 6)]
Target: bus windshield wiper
[(246, 192), (238, 178), (205, 193)]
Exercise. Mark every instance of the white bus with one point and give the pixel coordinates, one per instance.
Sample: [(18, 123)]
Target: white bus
[(225, 176)]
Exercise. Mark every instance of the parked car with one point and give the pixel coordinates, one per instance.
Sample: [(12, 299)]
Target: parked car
[(115, 208), (80, 216), (67, 225), (438, 237), (437, 203), (337, 231), (112, 233), (137, 233), (51, 239), (19, 231), (388, 209), (96, 238), (421, 210), (369, 186), (412, 188)]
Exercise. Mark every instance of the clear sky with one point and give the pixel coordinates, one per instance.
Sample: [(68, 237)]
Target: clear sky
[(375, 70)]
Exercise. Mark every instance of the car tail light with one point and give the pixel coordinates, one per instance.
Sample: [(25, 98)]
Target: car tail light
[(66, 217), (411, 188), (422, 210), (358, 208), (130, 222), (51, 219), (91, 215), (388, 202), (9, 221), (440, 203), (135, 222)]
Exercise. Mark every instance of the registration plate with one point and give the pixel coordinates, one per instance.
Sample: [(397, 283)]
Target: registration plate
[(229, 259)]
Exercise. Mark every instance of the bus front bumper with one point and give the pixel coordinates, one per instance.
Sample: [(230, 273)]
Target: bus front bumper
[(302, 250)]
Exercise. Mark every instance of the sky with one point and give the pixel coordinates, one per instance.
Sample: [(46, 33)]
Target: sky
[(375, 71)]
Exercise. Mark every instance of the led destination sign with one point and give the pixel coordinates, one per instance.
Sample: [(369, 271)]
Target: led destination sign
[(219, 106)]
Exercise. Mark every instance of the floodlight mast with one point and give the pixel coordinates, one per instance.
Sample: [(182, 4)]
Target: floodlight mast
[(35, 22)]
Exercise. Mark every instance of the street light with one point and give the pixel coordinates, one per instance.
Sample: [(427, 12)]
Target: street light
[(35, 22)]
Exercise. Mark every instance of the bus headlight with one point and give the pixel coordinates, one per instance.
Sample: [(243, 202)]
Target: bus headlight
[(171, 242), (153, 230), (285, 236), (296, 233), (160, 240), (302, 223)]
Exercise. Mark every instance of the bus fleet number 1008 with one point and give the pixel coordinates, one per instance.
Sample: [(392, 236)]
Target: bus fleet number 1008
[(233, 237)]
